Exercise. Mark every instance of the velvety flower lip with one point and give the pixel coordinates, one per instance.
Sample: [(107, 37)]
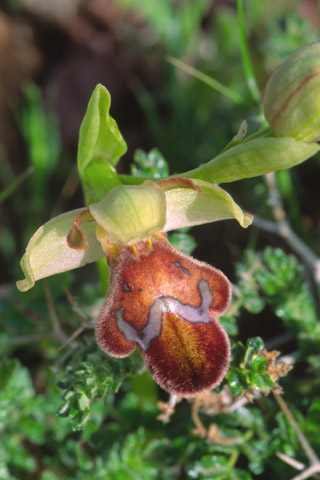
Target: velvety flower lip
[(167, 304), (61, 244)]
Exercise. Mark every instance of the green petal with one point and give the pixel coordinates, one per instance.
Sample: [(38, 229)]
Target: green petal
[(186, 207), (100, 147), (130, 213), (48, 252)]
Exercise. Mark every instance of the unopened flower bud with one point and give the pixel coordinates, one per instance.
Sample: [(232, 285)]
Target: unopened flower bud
[(292, 96)]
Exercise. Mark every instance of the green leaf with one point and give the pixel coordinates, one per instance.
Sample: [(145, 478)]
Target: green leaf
[(130, 459), (238, 352), (250, 298), (259, 363), (100, 147), (7, 368), (89, 377), (211, 82), (245, 54), (9, 189), (261, 382), (41, 132), (184, 242), (238, 474), (235, 384), (254, 158), (149, 165), (255, 343), (210, 466)]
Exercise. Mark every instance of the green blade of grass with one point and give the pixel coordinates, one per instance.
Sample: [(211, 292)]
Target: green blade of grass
[(246, 60), (211, 82), (15, 184)]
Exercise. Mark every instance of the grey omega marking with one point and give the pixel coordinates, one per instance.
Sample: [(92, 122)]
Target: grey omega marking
[(184, 269), (160, 306)]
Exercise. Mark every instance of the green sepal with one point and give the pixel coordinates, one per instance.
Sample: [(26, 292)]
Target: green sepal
[(254, 158), (48, 252)]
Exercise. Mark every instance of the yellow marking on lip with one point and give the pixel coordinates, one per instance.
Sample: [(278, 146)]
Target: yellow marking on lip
[(150, 242), (135, 249)]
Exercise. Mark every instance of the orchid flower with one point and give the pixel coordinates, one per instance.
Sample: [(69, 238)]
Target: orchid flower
[(159, 300)]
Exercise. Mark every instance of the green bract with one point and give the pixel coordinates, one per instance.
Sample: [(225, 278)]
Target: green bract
[(253, 158), (292, 96)]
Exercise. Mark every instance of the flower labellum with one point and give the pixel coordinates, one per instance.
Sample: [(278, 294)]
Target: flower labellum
[(168, 305)]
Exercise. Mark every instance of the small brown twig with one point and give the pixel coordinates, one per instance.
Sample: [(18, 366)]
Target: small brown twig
[(309, 472), (168, 408), (311, 455), (86, 324), (77, 309), (39, 337), (72, 337), (282, 227), (290, 461), (57, 330), (314, 467)]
